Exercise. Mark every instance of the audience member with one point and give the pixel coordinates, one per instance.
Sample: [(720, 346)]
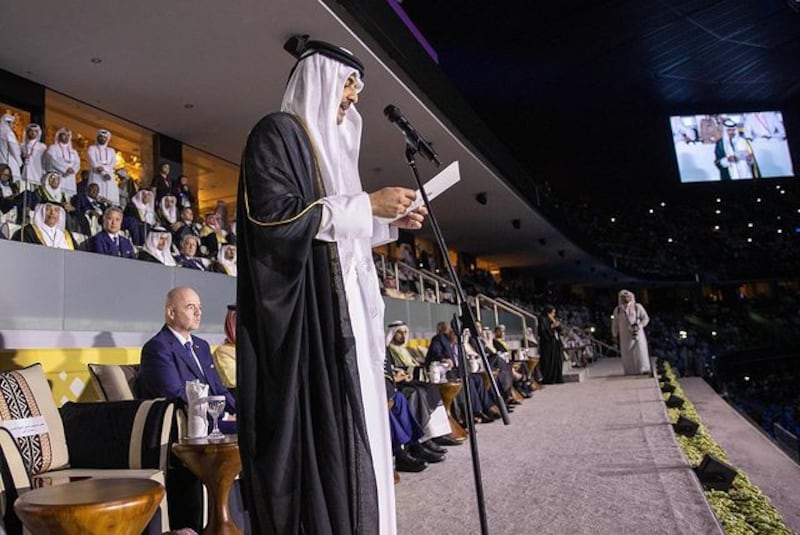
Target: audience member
[(127, 188), (48, 228), (167, 213), (63, 159), (10, 154), (174, 355), (139, 216), (188, 256), (51, 190), (444, 349), (504, 374), (225, 353), (162, 183), (102, 160), (226, 260), (405, 431), (184, 226), (110, 241), (186, 198), (11, 197), (423, 397), (33, 156), (89, 209), (221, 212), (212, 235), (158, 248)]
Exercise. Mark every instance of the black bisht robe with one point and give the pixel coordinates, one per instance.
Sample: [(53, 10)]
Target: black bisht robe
[(307, 466), (551, 356)]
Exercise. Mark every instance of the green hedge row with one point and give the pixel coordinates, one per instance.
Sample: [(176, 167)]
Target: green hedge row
[(744, 510)]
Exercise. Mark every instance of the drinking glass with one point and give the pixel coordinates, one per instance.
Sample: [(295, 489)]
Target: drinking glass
[(216, 406)]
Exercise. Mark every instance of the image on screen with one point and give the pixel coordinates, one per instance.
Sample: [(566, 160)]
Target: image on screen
[(731, 146)]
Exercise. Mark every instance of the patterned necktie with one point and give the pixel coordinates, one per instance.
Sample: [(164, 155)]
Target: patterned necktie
[(188, 346)]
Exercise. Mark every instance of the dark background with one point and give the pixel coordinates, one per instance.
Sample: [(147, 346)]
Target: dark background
[(581, 91)]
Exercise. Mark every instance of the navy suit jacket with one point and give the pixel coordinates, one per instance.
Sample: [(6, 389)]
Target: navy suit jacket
[(103, 244), (166, 366)]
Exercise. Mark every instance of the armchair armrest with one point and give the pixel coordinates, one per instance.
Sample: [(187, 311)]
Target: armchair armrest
[(13, 479)]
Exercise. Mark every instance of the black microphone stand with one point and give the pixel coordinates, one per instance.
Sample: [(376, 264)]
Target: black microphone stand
[(468, 321)]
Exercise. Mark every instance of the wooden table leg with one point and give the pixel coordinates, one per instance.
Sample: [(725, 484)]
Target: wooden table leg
[(449, 391), (216, 465)]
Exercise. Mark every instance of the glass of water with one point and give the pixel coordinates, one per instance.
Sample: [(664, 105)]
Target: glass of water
[(216, 406)]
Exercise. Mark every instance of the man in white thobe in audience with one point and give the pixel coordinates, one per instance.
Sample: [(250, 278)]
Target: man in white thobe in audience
[(9, 146), (33, 156), (63, 159), (102, 160)]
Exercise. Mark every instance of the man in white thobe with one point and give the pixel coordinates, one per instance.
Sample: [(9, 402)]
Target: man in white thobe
[(9, 146), (63, 159), (33, 156), (102, 160), (322, 128), (734, 156)]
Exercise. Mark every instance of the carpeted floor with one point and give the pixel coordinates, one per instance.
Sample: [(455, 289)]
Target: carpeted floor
[(595, 457), (747, 448)]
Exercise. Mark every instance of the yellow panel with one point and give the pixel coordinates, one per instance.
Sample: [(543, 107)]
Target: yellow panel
[(66, 369)]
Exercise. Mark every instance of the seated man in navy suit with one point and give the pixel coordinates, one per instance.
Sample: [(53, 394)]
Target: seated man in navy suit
[(109, 241), (169, 359), (173, 356)]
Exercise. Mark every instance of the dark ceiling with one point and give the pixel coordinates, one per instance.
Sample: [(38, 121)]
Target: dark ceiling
[(580, 91)]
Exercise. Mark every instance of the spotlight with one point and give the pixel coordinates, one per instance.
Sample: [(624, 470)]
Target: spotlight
[(675, 402), (516, 223), (685, 426), (715, 474), (481, 198)]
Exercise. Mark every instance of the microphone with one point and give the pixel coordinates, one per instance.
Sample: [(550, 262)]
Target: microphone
[(412, 136)]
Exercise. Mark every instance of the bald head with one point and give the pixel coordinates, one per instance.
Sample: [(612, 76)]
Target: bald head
[(183, 310)]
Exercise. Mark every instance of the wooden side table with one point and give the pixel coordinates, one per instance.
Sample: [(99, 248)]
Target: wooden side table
[(216, 463), (91, 507), (449, 391)]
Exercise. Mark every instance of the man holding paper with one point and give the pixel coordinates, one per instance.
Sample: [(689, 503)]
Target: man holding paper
[(313, 429)]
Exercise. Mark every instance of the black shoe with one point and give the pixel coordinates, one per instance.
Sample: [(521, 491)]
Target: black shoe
[(430, 445), (483, 418), (419, 452), (404, 462), (446, 441)]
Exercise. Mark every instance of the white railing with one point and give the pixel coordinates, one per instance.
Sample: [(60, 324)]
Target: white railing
[(420, 275), (497, 305)]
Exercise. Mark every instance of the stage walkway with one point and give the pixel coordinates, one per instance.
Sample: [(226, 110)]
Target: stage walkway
[(595, 457), (777, 475)]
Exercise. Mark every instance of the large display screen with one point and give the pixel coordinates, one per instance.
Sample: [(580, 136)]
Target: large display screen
[(731, 146)]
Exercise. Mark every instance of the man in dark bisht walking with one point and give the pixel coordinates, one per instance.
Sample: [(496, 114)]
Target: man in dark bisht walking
[(313, 426)]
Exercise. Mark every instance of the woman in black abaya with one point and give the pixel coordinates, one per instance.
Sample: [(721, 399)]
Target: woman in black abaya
[(550, 349)]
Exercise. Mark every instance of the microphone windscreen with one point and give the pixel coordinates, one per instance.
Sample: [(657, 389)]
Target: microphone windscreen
[(392, 112)]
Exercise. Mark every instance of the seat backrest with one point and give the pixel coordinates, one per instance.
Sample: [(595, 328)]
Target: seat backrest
[(114, 382), (120, 434), (28, 412)]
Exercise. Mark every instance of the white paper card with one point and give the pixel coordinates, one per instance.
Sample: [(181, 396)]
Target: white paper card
[(25, 427), (434, 187)]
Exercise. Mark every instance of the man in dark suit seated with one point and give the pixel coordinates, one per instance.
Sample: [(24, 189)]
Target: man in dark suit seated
[(109, 241), (169, 359), (188, 257), (89, 208), (173, 356)]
